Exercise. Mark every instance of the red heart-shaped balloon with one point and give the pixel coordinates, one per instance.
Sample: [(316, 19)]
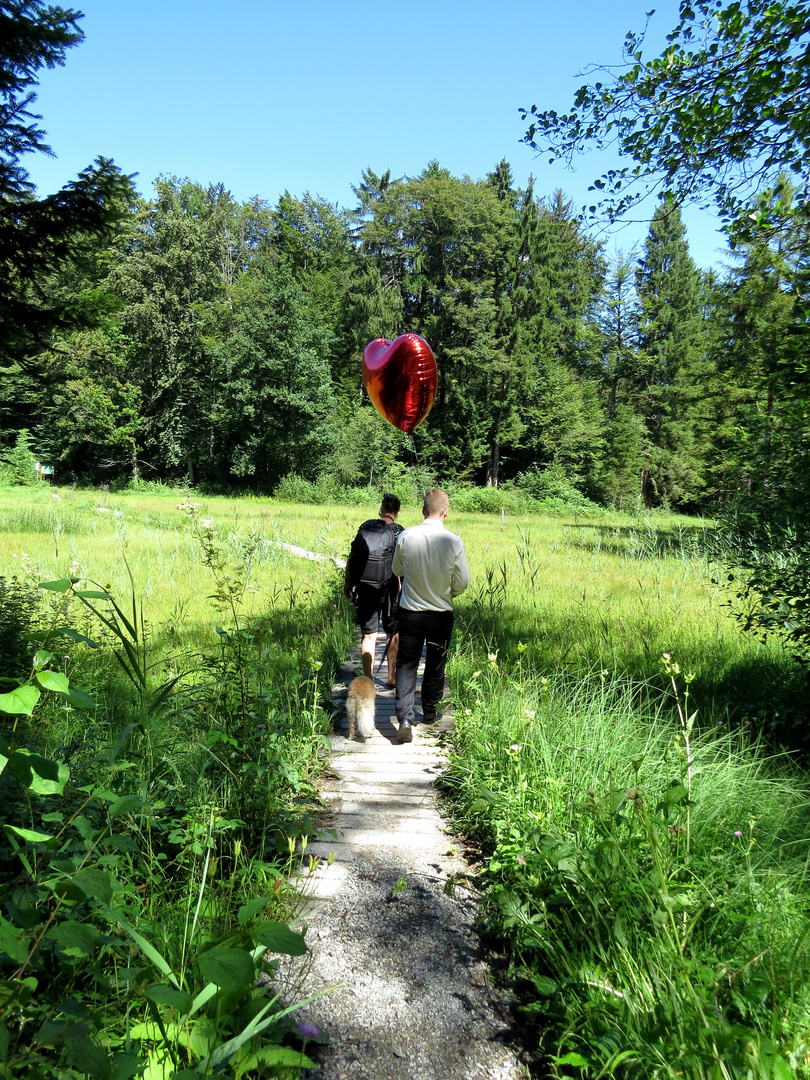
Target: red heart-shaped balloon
[(401, 378)]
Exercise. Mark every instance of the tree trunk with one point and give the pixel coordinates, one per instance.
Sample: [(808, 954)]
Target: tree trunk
[(493, 462), (612, 402), (766, 471), (190, 468)]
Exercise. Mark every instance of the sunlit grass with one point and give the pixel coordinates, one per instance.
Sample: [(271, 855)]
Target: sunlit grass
[(581, 593)]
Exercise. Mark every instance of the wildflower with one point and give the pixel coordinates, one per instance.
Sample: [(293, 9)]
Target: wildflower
[(738, 832), (492, 657), (516, 747), (309, 1031), (529, 713), (468, 712), (207, 523)]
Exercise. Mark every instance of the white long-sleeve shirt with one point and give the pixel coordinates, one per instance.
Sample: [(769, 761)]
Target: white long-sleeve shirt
[(432, 563)]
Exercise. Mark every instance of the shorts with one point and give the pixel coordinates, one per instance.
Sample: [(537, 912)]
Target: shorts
[(375, 604)]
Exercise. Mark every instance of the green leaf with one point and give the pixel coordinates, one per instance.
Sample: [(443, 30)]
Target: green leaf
[(124, 805), (17, 990), (273, 1055), (79, 699), (125, 1066), (12, 943), (572, 1059), (229, 969), (247, 911), (88, 1058), (53, 680), (91, 594), (544, 985), (162, 994), (95, 884), (74, 635), (29, 835), (42, 657), (40, 775), (74, 938), (20, 702), (63, 585), (276, 937), (675, 794)]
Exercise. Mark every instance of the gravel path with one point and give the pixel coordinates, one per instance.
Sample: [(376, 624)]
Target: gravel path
[(391, 926)]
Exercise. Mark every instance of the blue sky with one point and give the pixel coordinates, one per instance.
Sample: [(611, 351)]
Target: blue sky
[(266, 96)]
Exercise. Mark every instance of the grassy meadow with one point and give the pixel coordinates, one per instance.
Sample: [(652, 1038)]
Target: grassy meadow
[(644, 858)]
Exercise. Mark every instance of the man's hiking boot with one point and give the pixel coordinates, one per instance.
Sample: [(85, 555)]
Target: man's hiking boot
[(405, 734)]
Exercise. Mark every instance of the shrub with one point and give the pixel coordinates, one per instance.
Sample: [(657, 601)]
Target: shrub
[(326, 489), (489, 500), (553, 489)]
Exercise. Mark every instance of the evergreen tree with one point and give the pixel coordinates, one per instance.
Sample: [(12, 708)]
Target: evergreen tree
[(761, 354), (618, 320), (39, 238), (561, 277), (17, 465), (672, 364), (620, 477)]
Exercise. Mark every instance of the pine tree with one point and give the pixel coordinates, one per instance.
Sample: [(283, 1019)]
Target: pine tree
[(672, 363), (39, 238), (17, 464), (561, 277), (761, 357)]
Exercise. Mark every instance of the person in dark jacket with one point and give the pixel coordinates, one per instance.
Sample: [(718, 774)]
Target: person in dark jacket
[(373, 587)]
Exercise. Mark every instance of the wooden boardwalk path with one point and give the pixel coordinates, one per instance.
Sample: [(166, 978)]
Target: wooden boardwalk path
[(391, 922)]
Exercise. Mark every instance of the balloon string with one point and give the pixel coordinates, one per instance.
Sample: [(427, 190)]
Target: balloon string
[(416, 459)]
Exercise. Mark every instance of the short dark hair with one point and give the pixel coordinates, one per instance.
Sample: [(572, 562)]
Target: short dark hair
[(390, 504)]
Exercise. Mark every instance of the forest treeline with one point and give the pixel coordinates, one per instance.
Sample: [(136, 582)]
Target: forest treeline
[(219, 342)]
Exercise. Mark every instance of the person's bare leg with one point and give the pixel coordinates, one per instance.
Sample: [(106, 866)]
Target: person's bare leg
[(393, 649), (368, 643)]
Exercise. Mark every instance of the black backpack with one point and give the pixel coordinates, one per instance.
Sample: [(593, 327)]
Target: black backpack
[(373, 552)]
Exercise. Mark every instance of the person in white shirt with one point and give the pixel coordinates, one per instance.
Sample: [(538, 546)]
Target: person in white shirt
[(432, 563)]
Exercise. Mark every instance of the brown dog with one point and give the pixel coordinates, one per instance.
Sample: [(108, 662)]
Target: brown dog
[(360, 708)]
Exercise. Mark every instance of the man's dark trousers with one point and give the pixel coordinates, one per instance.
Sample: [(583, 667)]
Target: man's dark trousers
[(416, 628)]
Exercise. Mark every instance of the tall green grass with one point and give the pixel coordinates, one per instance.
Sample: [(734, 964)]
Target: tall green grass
[(652, 882), (145, 874)]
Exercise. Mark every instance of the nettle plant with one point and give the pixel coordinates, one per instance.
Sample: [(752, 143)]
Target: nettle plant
[(84, 991)]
